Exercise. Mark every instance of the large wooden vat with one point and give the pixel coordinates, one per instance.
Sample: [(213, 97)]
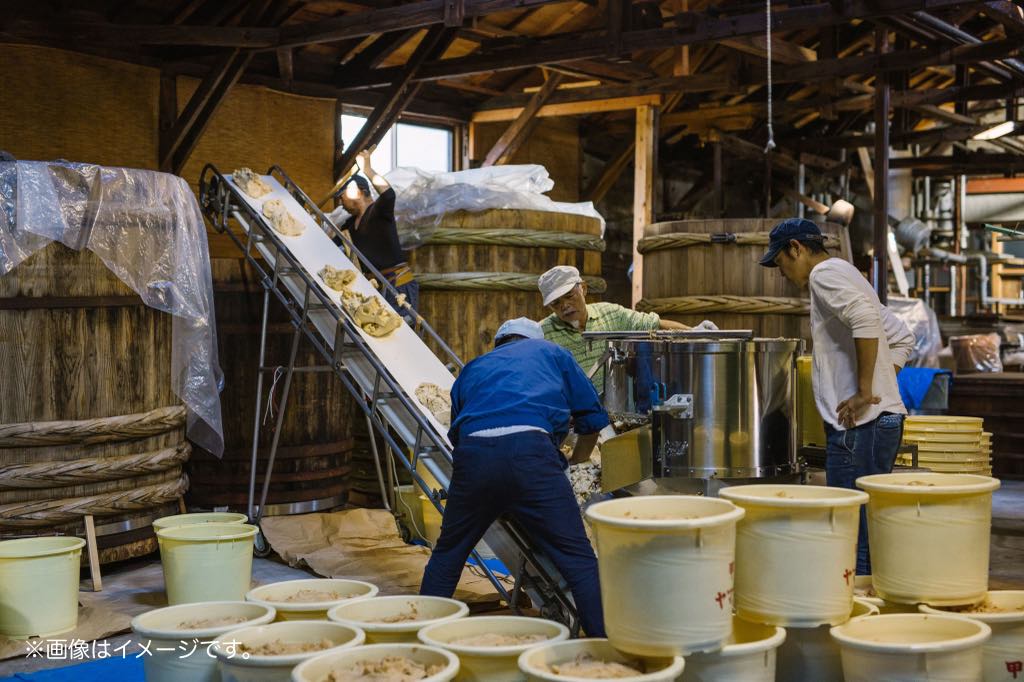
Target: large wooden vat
[(313, 458), (693, 270), (88, 421), (480, 268)]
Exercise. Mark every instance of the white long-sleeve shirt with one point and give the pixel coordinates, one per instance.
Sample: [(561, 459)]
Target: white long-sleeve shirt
[(844, 307)]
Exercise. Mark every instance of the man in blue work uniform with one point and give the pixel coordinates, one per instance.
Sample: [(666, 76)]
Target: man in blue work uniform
[(510, 411)]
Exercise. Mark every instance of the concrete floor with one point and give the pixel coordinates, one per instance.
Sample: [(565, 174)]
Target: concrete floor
[(136, 587)]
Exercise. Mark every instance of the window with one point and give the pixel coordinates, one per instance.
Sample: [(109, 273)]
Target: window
[(406, 144)]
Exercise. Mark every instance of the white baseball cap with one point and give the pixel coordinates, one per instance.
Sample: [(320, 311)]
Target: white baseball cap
[(557, 282), (521, 326)]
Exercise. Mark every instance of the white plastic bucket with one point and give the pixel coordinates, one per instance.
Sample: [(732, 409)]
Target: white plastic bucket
[(929, 536), (317, 669), (236, 666), (909, 647), (198, 517), (282, 596), (535, 662), (39, 586), (491, 663), (749, 655), (206, 561), (370, 614), (164, 629), (666, 565), (811, 655), (1004, 651), (796, 553), (864, 590)]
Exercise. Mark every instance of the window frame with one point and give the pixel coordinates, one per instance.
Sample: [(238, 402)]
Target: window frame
[(452, 129)]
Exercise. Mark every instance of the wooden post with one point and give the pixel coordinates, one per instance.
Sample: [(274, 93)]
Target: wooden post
[(881, 184), (719, 196), (643, 190), (94, 554)]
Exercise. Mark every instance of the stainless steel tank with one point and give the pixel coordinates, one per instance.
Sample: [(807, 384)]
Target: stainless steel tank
[(720, 405)]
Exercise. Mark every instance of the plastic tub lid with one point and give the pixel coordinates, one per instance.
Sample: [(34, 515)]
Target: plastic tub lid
[(789, 495), (972, 633), (935, 484), (709, 512)]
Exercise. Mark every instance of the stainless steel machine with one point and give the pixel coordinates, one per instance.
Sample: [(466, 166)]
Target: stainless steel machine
[(710, 408)]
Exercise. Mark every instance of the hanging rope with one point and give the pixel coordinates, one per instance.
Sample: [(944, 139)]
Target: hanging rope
[(768, 39)]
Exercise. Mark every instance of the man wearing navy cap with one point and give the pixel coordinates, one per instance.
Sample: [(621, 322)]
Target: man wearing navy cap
[(859, 346), (510, 411)]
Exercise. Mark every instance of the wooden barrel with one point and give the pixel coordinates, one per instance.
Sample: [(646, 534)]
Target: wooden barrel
[(88, 421), (312, 469), (479, 269), (708, 269)]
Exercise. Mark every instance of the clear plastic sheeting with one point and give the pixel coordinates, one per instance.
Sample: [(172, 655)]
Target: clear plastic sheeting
[(976, 353), (924, 324), (422, 198), (147, 228)]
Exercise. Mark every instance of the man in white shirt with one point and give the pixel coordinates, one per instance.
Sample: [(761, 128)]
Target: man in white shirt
[(859, 346)]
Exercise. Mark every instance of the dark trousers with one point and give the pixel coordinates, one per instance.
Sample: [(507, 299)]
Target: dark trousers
[(522, 475), (861, 451)]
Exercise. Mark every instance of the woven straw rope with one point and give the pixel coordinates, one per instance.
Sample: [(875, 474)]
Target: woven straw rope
[(469, 281), (81, 471), (679, 240), (89, 431), (48, 512), (509, 237), (778, 305)]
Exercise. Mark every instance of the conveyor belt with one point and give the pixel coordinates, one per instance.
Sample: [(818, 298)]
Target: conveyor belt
[(381, 373)]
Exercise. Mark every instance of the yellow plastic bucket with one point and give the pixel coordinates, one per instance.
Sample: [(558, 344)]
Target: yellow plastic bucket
[(812, 426), (666, 565), (298, 599), (317, 669), (431, 520), (749, 655), (1003, 611), (912, 646), (164, 630), (493, 663), (796, 553), (198, 517), (536, 662), (864, 590), (238, 665), (929, 536), (810, 654), (206, 561), (943, 423), (396, 619), (39, 586)]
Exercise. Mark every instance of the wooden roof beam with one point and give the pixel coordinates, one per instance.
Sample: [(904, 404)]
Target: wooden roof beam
[(517, 132), (783, 51), (1009, 14)]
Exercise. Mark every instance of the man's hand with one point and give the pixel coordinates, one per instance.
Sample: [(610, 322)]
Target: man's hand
[(850, 408), (363, 158)]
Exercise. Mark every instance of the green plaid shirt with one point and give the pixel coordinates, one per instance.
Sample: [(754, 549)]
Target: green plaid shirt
[(601, 317)]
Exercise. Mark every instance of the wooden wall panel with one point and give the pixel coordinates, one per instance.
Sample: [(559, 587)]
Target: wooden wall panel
[(554, 143)]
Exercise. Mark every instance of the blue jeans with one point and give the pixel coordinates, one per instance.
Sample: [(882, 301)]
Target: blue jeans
[(522, 475), (861, 451)]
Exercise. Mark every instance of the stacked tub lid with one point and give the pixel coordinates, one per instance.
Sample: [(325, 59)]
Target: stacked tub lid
[(952, 445)]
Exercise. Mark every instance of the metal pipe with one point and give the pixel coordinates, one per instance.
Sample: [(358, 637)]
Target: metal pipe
[(801, 178), (881, 223), (959, 35)]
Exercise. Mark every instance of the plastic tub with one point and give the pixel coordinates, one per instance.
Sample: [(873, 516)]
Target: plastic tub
[(431, 520), (206, 561), (811, 655), (864, 590), (749, 655), (912, 646), (199, 517), (236, 665), (796, 553), (278, 594), (39, 586), (318, 668), (163, 629), (491, 663), (1007, 643), (368, 615), (666, 565), (535, 662), (929, 536)]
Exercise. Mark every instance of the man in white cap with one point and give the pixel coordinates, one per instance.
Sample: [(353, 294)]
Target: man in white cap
[(510, 411), (565, 294)]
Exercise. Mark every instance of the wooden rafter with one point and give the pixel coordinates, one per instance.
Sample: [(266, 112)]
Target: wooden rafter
[(517, 132)]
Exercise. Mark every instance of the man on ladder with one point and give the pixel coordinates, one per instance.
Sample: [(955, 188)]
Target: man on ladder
[(510, 411)]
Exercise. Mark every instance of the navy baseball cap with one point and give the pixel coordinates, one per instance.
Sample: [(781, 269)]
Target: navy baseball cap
[(800, 229)]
